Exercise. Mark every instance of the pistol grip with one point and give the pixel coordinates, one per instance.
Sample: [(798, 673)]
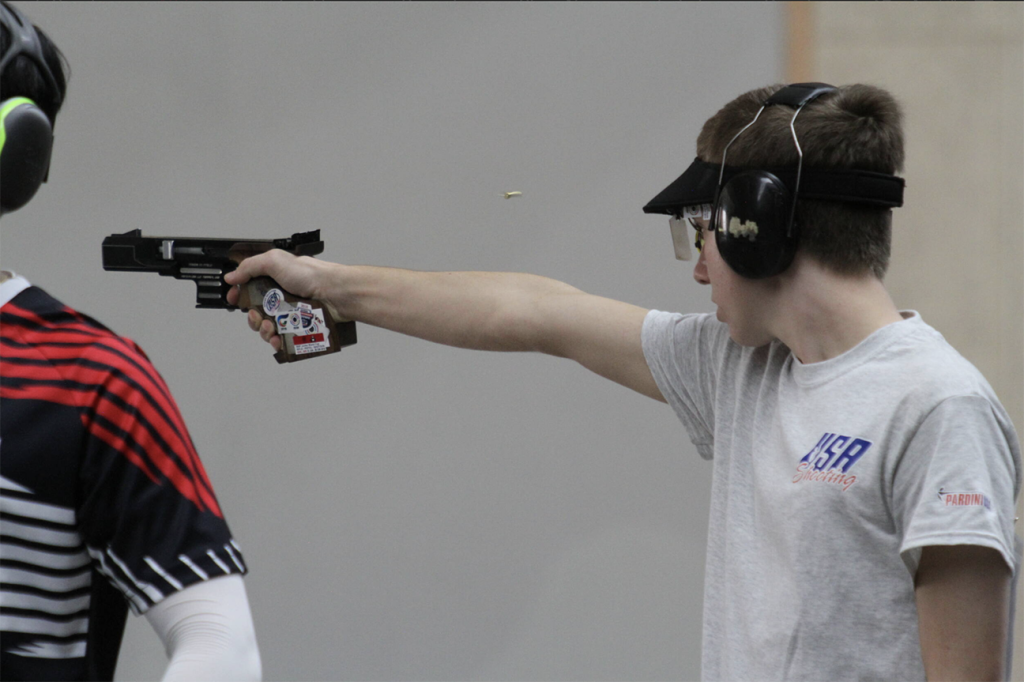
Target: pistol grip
[(308, 328)]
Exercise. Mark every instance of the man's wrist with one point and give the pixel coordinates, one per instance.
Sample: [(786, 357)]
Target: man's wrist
[(333, 287)]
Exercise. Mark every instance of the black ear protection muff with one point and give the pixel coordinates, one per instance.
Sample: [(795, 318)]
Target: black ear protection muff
[(25, 144), (752, 210), (751, 222), (26, 134)]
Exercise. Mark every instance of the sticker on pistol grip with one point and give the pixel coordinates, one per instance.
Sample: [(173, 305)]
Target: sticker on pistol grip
[(315, 336), (286, 318), (272, 301)]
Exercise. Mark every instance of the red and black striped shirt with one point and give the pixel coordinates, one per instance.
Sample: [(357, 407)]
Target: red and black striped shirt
[(104, 502)]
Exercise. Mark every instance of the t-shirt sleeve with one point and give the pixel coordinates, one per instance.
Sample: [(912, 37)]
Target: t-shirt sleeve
[(957, 481), (683, 353), (148, 513)]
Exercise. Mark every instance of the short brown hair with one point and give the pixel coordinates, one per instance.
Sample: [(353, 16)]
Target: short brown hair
[(856, 127)]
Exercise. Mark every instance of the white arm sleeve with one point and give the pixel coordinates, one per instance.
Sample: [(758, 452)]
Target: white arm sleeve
[(207, 632)]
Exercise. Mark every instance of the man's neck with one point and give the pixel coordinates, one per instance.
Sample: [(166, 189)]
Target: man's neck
[(4, 276), (821, 315)]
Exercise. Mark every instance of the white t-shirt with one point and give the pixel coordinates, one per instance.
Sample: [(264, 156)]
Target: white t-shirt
[(828, 480)]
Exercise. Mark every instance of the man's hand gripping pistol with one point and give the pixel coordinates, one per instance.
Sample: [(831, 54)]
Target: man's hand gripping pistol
[(308, 328)]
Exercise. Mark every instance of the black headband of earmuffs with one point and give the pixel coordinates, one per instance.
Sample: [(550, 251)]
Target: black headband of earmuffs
[(698, 184), (25, 42)]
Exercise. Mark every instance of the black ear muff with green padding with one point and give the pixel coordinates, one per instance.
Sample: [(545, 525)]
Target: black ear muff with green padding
[(26, 140)]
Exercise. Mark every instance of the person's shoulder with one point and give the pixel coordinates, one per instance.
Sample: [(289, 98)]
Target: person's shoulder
[(69, 340), (932, 366), (685, 324), (701, 340)]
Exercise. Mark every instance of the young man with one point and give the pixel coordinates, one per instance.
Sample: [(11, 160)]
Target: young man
[(862, 521), (105, 502)]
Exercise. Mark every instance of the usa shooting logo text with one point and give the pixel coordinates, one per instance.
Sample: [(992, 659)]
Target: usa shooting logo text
[(831, 459)]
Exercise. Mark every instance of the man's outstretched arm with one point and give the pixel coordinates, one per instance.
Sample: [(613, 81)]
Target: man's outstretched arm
[(479, 310), (963, 607)]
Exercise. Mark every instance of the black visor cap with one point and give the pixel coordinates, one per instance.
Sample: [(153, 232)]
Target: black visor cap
[(698, 183)]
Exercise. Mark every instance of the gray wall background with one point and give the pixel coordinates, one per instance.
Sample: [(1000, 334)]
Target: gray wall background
[(410, 511)]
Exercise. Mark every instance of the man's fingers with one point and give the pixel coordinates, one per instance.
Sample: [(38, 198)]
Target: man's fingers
[(236, 276), (240, 275), (267, 330), (253, 266), (256, 266)]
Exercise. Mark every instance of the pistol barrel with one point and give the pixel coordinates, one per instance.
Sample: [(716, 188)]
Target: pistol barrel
[(204, 261)]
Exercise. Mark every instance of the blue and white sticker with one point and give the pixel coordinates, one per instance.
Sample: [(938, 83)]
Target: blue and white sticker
[(302, 319), (272, 301)]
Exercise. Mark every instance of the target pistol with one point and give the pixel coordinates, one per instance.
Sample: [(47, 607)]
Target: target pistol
[(308, 328)]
